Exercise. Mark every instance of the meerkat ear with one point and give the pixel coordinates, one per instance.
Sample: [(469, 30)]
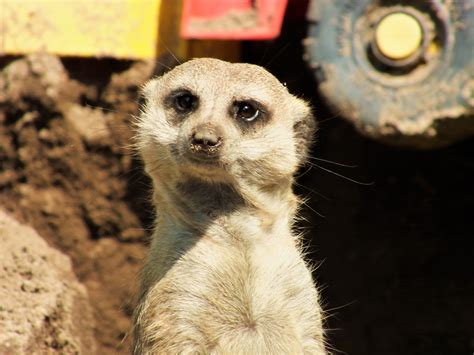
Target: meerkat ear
[(304, 128)]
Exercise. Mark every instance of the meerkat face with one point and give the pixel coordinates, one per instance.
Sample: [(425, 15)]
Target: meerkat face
[(220, 122)]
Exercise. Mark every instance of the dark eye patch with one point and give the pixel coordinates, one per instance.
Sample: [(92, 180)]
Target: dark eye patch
[(249, 112), (246, 111), (182, 101)]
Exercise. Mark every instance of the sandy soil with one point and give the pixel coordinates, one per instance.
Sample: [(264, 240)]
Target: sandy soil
[(67, 170)]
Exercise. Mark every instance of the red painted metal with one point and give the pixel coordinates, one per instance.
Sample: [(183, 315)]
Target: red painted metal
[(269, 13)]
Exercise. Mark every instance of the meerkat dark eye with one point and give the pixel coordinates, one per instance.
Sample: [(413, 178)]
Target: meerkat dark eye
[(185, 102), (246, 111)]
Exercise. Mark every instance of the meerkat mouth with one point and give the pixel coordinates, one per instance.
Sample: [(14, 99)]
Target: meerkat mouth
[(204, 167), (203, 160), (197, 156), (204, 147), (198, 162)]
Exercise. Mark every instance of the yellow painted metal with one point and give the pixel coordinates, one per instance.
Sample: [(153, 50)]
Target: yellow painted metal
[(112, 28), (127, 29), (398, 35)]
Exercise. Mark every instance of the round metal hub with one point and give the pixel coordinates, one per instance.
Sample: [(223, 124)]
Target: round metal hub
[(400, 38)]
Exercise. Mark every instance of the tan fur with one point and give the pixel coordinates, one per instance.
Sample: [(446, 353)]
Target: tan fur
[(225, 273)]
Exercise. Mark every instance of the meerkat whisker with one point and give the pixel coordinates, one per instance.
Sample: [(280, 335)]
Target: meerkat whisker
[(277, 54), (314, 191), (329, 119), (105, 109), (313, 210), (332, 162), (340, 175), (163, 64), (160, 38)]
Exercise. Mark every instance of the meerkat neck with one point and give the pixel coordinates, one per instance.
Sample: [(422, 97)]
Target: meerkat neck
[(197, 204)]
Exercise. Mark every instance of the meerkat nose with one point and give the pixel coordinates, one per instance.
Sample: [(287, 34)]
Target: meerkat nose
[(205, 139)]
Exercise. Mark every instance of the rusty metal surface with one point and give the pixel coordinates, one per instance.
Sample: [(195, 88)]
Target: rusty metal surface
[(425, 106)]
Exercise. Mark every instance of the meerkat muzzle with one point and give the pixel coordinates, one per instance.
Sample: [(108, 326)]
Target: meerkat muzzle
[(205, 141)]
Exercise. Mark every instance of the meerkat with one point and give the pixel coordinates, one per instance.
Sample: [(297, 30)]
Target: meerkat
[(225, 273)]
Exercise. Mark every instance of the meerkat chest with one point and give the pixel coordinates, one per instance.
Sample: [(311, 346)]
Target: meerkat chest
[(224, 293), (252, 293), (237, 282)]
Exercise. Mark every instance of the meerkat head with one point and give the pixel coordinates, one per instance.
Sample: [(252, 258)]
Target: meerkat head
[(222, 122)]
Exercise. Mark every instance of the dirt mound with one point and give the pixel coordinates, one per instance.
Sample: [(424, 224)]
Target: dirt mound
[(43, 307), (66, 170)]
